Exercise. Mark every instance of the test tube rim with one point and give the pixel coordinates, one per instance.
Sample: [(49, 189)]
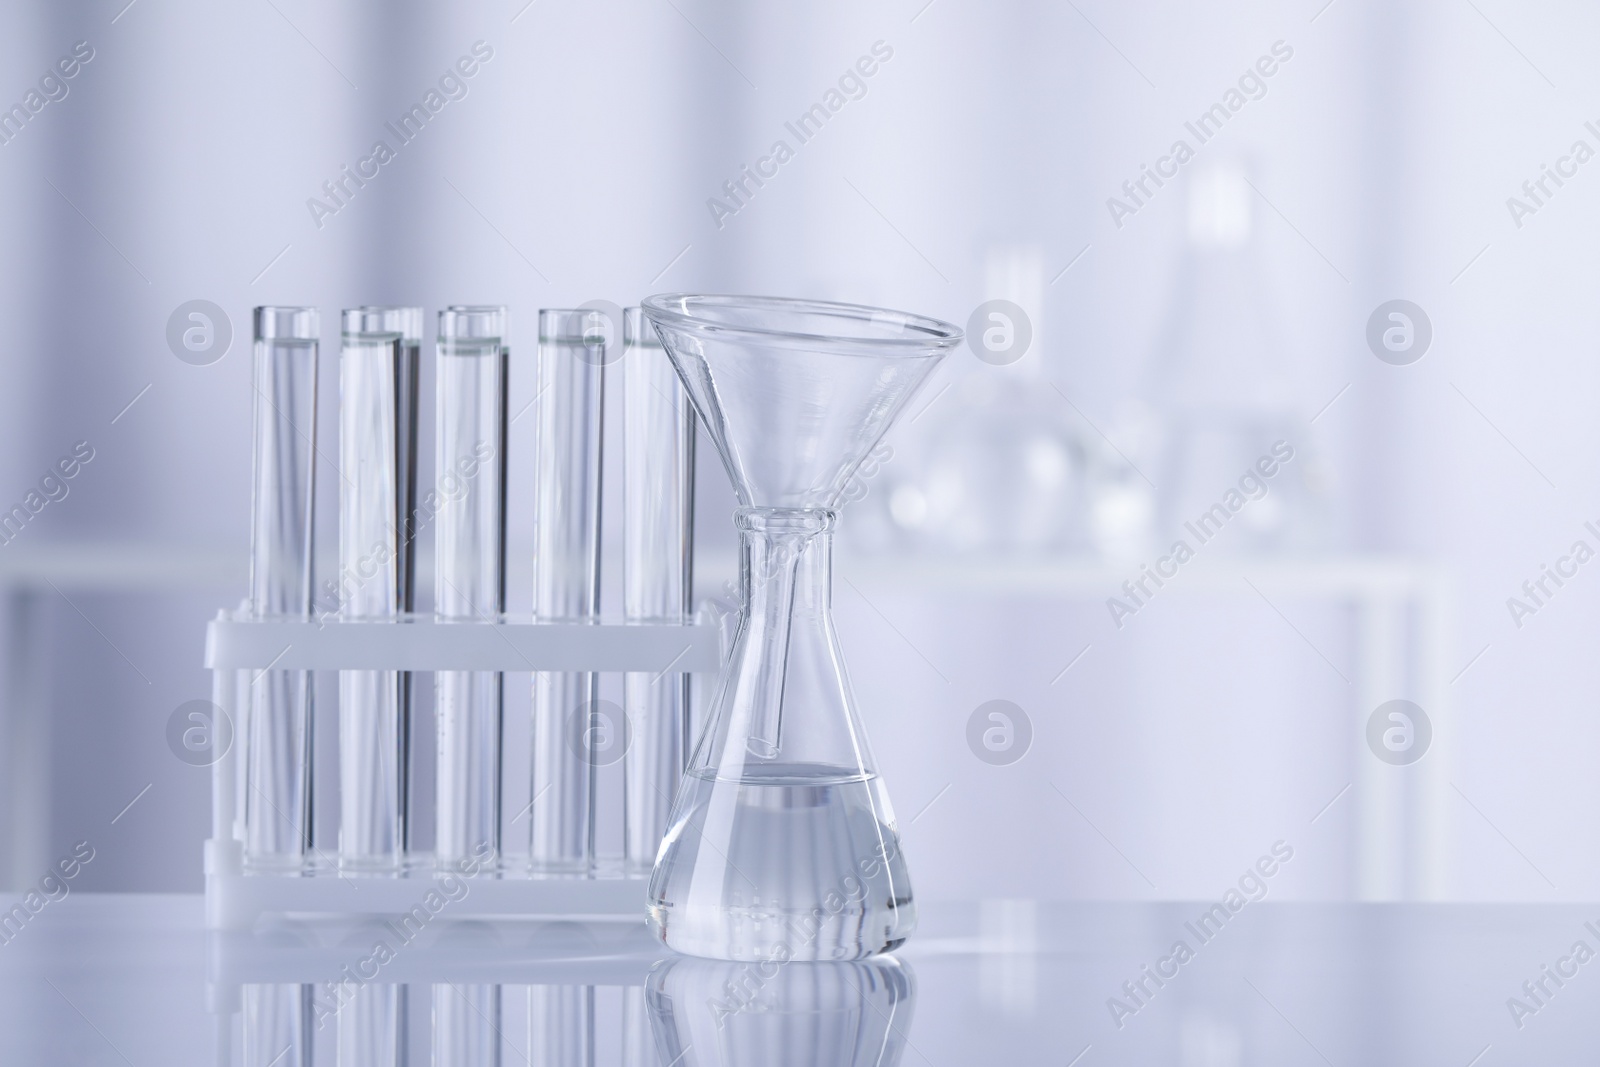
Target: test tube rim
[(303, 322), (459, 315)]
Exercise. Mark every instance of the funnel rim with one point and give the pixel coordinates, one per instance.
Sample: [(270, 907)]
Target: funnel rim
[(936, 338)]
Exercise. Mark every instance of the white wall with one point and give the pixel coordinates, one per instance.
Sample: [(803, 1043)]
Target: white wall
[(578, 167)]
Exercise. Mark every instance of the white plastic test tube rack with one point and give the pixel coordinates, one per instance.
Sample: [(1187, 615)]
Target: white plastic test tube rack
[(242, 647)]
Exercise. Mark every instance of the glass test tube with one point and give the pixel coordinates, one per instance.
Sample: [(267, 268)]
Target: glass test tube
[(566, 583), (469, 573), (466, 1025), (561, 1026), (372, 1027), (377, 460), (277, 1025), (658, 538), (638, 1042), (277, 795)]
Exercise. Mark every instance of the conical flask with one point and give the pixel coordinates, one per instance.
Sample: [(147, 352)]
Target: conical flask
[(1222, 386), (782, 845)]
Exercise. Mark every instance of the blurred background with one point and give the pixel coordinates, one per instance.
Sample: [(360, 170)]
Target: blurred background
[(1345, 241)]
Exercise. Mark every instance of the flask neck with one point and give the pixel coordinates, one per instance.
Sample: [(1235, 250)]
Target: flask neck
[(786, 558), (785, 571)]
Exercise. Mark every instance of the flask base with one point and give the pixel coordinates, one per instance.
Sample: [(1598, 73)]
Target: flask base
[(789, 862)]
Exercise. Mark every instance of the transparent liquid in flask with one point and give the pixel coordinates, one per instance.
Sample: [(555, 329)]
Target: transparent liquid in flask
[(812, 870)]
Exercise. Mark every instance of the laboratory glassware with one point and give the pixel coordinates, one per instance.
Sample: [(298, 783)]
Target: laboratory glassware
[(994, 462), (466, 1024), (1221, 386), (658, 434), (378, 363), (277, 1027), (782, 843), (372, 1026), (561, 1025), (574, 347), (408, 323), (469, 574), (709, 1013), (277, 778)]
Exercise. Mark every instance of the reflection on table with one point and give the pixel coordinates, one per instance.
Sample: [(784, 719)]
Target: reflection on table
[(546, 994)]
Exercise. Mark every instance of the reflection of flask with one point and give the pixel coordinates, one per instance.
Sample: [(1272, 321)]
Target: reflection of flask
[(710, 1014), (1221, 388), (1000, 465)]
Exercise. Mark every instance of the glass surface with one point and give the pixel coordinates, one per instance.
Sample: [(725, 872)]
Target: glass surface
[(782, 843), (277, 755), (469, 573), (568, 414), (657, 578)]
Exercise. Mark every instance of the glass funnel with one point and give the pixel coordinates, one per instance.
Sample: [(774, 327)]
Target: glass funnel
[(782, 844)]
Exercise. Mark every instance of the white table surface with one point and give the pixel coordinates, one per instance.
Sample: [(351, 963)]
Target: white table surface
[(130, 980)]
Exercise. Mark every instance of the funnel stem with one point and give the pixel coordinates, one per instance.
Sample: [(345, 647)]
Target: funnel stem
[(774, 540)]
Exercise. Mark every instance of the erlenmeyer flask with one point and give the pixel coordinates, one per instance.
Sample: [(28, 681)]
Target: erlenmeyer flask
[(1222, 384), (782, 844)]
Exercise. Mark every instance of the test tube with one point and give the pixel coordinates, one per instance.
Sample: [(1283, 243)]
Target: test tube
[(566, 587), (466, 1025), (407, 322), (561, 1029), (638, 1042), (277, 808), (469, 574), (657, 533), (372, 1026), (277, 1028), (377, 451)]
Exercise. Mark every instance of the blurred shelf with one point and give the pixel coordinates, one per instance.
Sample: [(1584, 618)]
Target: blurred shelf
[(128, 567), (119, 567), (1334, 574)]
